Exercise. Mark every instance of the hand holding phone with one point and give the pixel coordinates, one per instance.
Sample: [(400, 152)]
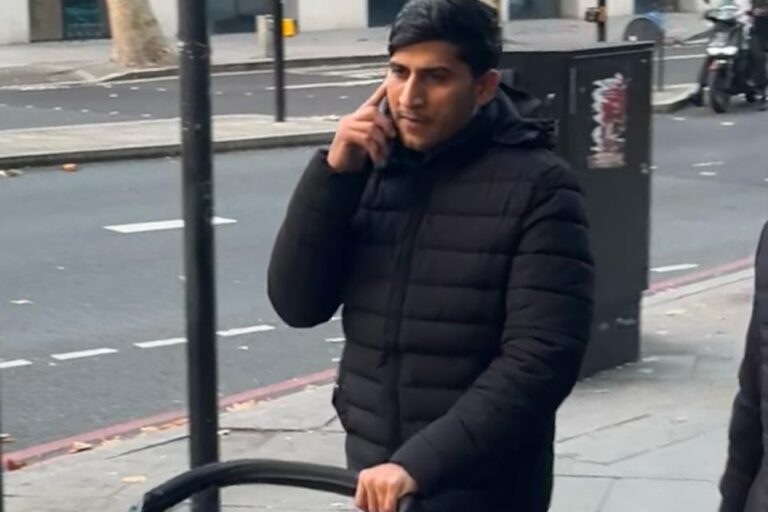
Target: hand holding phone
[(364, 134)]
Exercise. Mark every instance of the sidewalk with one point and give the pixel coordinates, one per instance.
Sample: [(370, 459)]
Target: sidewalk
[(157, 138), (86, 61), (647, 437)]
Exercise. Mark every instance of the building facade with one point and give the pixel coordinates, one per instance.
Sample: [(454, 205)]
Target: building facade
[(24, 21)]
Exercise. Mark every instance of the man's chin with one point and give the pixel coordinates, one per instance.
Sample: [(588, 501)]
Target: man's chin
[(417, 144)]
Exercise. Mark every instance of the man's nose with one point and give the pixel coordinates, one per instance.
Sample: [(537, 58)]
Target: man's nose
[(412, 94)]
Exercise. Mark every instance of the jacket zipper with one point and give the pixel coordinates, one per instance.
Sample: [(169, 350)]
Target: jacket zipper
[(402, 273)]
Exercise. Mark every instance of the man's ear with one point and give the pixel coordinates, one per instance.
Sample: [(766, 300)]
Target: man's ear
[(486, 86)]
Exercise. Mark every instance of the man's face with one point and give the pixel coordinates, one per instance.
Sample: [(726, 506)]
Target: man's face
[(432, 94)]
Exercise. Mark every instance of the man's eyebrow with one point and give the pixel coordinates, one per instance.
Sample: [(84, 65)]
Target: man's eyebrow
[(427, 69)]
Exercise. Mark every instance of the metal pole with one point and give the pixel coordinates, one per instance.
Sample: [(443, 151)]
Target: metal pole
[(199, 258), (279, 41), (602, 22)]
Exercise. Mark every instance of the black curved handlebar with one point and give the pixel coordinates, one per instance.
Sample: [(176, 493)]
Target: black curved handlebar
[(242, 472)]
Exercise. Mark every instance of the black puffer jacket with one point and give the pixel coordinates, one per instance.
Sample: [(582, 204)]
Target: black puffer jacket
[(466, 279), (744, 485)]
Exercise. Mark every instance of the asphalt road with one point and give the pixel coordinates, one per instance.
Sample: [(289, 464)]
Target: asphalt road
[(317, 91), (70, 285)]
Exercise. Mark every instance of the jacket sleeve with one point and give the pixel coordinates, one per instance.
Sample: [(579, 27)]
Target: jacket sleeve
[(745, 449), (307, 269), (549, 311)]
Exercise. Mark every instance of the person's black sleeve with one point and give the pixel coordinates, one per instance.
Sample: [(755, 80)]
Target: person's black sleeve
[(308, 266)]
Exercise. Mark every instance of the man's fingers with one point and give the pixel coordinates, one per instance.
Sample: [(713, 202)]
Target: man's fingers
[(390, 501), (372, 139), (386, 124), (378, 95), (361, 497)]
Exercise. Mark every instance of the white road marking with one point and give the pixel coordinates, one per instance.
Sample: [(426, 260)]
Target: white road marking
[(249, 94), (675, 268), (17, 363), (143, 227), (84, 353), (29, 106), (134, 88), (21, 302), (114, 95), (336, 340), (245, 330), (683, 57), (224, 334), (3, 105), (57, 109), (728, 123), (709, 164), (146, 116), (85, 111), (219, 93), (352, 83), (708, 174), (678, 118), (161, 89), (161, 343)]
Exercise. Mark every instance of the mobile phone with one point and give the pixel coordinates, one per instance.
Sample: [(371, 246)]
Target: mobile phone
[(384, 109)]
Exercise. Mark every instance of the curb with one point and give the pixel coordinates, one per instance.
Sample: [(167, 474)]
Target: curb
[(680, 101), (314, 138), (233, 67), (51, 449)]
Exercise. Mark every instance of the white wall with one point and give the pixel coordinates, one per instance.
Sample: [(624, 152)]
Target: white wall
[(14, 21), (167, 14), (332, 14), (692, 6), (577, 8)]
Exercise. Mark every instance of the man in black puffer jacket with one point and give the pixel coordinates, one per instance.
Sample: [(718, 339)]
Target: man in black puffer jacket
[(458, 245)]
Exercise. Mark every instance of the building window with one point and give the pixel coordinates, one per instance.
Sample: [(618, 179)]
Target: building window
[(84, 19)]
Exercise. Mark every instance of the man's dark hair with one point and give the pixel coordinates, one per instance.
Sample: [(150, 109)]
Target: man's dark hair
[(470, 25)]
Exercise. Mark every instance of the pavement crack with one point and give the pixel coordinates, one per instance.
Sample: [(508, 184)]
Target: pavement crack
[(149, 447), (605, 427)]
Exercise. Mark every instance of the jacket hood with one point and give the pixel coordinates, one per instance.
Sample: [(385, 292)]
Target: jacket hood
[(513, 118), (518, 120)]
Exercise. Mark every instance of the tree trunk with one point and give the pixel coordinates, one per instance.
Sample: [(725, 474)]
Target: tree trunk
[(137, 41)]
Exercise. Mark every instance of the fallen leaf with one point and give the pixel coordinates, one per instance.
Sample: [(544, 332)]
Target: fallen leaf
[(22, 302), (79, 446), (13, 464), (6, 439), (173, 424), (134, 479), (241, 406), (69, 167), (106, 443)]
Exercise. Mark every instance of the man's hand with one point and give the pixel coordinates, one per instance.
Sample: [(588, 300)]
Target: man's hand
[(362, 134), (379, 489)]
